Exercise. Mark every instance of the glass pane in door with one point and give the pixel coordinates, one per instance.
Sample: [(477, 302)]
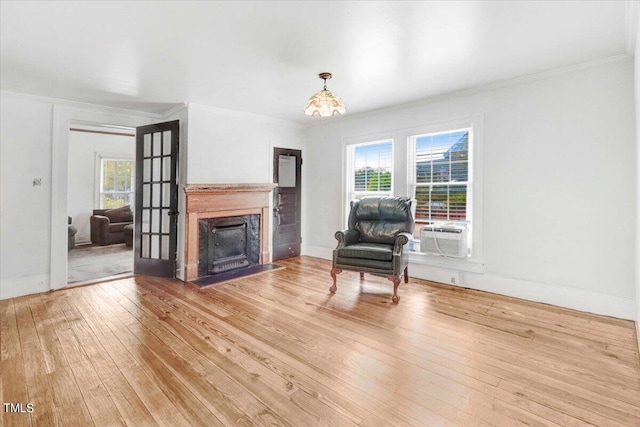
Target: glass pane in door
[(286, 171)]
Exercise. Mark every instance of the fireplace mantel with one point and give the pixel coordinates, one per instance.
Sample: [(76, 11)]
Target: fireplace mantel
[(225, 188), (222, 200)]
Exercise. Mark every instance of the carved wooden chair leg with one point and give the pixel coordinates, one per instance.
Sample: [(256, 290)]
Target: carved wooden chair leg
[(396, 283), (406, 274), (333, 273), (361, 276)]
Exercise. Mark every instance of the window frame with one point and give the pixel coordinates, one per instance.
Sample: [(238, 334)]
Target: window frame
[(412, 166), (474, 262), (99, 181), (350, 146)]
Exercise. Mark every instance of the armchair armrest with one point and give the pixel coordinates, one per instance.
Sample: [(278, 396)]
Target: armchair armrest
[(99, 229), (347, 237), (401, 240)]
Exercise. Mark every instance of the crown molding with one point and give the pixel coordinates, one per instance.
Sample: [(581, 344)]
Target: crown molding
[(176, 109), (485, 88), (79, 105)]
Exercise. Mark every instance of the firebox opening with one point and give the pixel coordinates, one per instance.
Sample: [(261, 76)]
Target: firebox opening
[(228, 248), (228, 243)]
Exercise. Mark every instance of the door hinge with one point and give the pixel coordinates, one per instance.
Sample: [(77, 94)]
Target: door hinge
[(301, 161)]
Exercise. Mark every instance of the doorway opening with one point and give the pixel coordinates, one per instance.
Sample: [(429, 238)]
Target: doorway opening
[(100, 203)]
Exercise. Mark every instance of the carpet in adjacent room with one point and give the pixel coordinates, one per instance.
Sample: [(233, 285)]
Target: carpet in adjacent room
[(91, 262)]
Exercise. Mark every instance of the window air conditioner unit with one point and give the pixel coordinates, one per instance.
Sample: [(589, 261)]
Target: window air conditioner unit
[(447, 240)]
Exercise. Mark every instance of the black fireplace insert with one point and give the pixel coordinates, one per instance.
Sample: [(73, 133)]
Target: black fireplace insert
[(228, 243)]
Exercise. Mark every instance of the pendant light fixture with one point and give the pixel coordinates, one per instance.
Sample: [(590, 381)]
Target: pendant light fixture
[(324, 103)]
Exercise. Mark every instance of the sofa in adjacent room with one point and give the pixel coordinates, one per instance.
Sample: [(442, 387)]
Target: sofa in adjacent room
[(107, 225)]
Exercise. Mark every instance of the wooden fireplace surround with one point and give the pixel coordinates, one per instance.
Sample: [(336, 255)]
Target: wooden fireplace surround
[(222, 200)]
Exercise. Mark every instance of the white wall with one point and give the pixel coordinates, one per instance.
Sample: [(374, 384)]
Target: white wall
[(233, 147), (25, 209), (228, 146), (34, 144), (559, 184), (224, 146), (81, 196), (553, 142)]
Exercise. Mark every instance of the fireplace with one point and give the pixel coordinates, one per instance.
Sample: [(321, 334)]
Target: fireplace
[(227, 227), (228, 243)]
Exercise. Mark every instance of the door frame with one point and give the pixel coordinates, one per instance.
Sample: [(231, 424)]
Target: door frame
[(63, 117)]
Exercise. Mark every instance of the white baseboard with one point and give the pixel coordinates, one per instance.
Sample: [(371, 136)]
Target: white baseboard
[(561, 296), (19, 286), (317, 251), (84, 238)]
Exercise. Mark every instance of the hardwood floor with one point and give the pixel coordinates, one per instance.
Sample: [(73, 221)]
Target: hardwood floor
[(279, 349)]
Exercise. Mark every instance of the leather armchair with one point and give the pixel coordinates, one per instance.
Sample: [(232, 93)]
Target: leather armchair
[(379, 229)]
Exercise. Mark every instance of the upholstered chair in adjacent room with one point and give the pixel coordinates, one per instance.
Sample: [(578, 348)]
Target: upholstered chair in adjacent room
[(108, 225), (379, 229), (73, 230)]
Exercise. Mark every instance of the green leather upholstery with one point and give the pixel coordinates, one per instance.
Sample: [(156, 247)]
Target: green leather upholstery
[(379, 229), (378, 251)]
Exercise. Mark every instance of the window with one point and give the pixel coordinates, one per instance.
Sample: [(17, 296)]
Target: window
[(116, 183), (440, 177), (370, 169)]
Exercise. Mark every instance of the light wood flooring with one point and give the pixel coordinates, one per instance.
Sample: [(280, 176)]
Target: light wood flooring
[(279, 349)]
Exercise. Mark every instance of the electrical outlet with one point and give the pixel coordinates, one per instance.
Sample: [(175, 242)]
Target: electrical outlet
[(455, 278)]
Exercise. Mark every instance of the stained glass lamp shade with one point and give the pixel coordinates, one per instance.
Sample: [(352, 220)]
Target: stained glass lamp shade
[(324, 103)]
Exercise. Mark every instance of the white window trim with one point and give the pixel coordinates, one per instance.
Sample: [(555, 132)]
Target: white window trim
[(99, 157)]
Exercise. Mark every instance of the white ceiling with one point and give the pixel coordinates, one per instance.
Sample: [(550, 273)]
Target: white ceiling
[(264, 57)]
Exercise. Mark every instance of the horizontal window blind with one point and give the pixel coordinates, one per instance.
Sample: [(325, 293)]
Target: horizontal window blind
[(370, 169), (441, 175)]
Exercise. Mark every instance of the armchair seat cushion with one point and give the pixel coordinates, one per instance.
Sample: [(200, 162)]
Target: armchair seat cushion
[(360, 264), (117, 227), (372, 251)]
